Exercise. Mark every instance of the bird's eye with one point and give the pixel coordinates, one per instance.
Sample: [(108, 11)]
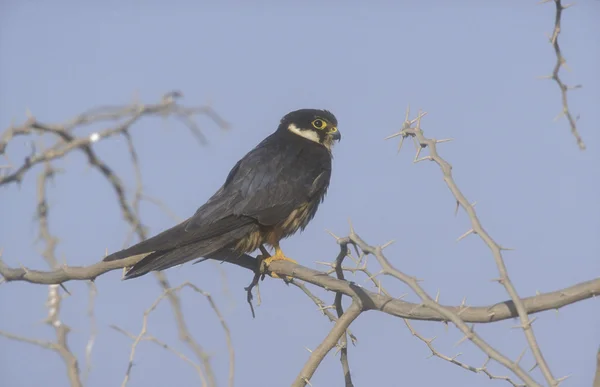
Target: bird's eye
[(333, 129), (319, 124)]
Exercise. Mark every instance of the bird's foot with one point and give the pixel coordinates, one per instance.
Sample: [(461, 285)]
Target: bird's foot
[(278, 256)]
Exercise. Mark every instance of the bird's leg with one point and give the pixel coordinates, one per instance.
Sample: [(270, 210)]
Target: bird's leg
[(279, 256)]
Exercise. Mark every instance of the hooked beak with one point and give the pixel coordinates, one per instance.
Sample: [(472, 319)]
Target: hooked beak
[(336, 135)]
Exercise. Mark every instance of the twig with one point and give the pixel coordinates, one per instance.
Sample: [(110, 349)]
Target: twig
[(54, 297), (93, 330), (144, 331), (483, 369), (560, 62), (164, 345), (340, 312), (317, 356)]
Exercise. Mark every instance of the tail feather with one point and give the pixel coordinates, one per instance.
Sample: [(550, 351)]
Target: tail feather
[(164, 259)]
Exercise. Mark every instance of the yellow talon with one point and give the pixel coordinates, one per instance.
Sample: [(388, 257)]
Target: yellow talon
[(279, 256)]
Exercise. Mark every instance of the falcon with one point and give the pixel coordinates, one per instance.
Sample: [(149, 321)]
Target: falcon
[(270, 194)]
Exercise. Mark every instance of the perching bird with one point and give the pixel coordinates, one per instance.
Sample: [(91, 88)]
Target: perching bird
[(270, 194)]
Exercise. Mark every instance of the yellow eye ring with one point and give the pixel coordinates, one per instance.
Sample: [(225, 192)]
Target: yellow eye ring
[(319, 124)]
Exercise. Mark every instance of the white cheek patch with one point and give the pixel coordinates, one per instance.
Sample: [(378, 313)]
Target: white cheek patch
[(308, 134)]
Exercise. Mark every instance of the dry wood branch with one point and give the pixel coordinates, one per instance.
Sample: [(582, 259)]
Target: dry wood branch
[(430, 303), (562, 62), (475, 314), (343, 344), (68, 142), (164, 345), (422, 142), (317, 356), (454, 359), (54, 297), (143, 333), (123, 118), (429, 342)]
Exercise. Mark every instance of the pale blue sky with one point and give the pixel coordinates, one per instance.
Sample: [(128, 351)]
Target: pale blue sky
[(471, 65)]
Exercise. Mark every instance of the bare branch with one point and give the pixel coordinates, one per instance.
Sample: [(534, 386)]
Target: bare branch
[(164, 345), (317, 356), (422, 142), (54, 297), (483, 314), (429, 303), (562, 62)]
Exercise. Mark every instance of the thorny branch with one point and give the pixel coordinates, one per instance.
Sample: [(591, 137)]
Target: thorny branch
[(421, 142), (562, 62), (395, 307), (317, 356), (343, 344), (361, 266)]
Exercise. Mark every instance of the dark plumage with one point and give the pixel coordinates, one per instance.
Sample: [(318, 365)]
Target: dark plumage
[(271, 193)]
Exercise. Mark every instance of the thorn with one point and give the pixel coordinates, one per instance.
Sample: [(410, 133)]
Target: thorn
[(473, 204), (485, 363), (402, 296), (506, 248), (545, 76), (394, 135), (560, 380), (534, 367), (418, 153), (307, 381), (333, 235), (325, 263), (351, 226), (499, 280), (431, 340), (463, 302), (437, 297), (471, 231), (559, 115), (308, 349), (456, 208), (385, 245), (407, 114), (520, 356), (65, 289), (423, 159), (444, 140), (530, 323), (400, 144), (374, 275)]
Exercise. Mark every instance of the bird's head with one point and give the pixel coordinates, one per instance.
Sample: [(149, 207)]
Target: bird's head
[(316, 125)]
